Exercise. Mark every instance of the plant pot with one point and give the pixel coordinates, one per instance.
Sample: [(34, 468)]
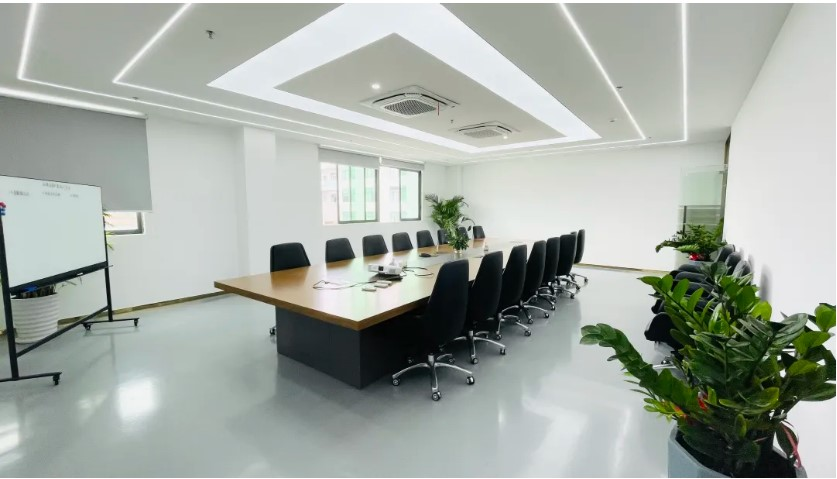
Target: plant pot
[(681, 463), (35, 318)]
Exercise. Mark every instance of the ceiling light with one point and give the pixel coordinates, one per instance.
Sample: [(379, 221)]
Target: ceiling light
[(376, 86), (57, 100), (153, 40), (505, 137)]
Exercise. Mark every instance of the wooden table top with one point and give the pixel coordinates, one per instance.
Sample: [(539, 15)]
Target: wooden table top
[(353, 308)]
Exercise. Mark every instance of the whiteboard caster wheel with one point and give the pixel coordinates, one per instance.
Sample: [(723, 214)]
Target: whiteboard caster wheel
[(86, 326), (56, 379), (136, 322)]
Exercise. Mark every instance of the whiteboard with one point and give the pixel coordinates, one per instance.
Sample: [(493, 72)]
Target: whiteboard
[(50, 228)]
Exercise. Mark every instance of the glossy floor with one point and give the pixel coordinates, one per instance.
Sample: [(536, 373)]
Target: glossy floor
[(198, 390)]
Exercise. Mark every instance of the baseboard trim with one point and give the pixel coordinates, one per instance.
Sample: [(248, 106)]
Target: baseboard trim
[(151, 305), (623, 268)]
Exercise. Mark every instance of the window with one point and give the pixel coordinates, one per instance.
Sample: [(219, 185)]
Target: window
[(124, 223), (349, 193), (400, 194)]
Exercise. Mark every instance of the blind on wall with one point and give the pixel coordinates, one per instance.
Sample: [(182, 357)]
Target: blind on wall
[(347, 158), (404, 165), (59, 143)]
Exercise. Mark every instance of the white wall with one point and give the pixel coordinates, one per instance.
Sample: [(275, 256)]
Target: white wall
[(626, 200), (190, 237), (780, 191)]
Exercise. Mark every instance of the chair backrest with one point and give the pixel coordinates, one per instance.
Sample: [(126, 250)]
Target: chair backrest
[(442, 236), (732, 261), (401, 242), (479, 233), (579, 246), (550, 266), (485, 292), (339, 249), (287, 256), (513, 277), (566, 254), (742, 268), (444, 315), (424, 239), (374, 245), (463, 231), (724, 252), (534, 269)]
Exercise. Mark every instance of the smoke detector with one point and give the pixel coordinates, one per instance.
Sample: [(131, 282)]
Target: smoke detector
[(491, 129), (409, 102)]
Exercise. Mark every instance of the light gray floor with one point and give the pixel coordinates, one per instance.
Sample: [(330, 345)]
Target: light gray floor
[(199, 390)]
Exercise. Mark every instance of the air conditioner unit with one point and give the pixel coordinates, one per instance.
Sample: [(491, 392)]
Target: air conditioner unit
[(409, 102), (482, 131)]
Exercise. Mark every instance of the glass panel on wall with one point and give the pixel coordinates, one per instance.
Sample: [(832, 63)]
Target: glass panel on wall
[(702, 196), (410, 194)]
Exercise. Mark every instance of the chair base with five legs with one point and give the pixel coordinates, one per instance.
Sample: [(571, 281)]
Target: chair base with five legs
[(433, 363)]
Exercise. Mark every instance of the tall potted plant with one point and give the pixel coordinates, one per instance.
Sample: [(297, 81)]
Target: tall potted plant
[(739, 376), (448, 215), (697, 241)]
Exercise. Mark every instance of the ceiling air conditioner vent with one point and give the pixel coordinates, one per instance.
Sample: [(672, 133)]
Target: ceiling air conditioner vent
[(409, 102), (486, 130)]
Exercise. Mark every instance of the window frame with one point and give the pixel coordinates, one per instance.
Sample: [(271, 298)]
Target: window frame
[(139, 230), (377, 192), (401, 210)]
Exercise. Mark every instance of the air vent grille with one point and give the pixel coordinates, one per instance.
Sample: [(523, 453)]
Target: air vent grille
[(485, 130), (409, 107), (409, 102)]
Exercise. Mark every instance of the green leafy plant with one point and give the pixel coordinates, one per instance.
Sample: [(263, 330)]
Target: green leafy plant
[(696, 240), (740, 373), (448, 215)]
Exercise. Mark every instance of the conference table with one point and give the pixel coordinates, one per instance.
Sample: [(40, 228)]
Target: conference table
[(325, 320)]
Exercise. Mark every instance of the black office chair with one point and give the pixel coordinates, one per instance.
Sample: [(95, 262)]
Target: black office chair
[(532, 282), (483, 298), (442, 236), (566, 256), (401, 242), (287, 256), (339, 249), (579, 252), (442, 322), (512, 289), (424, 239), (547, 291), (479, 233), (374, 245), (463, 231)]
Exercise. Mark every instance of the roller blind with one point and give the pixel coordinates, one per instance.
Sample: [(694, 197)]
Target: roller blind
[(51, 142), (404, 165), (346, 158)]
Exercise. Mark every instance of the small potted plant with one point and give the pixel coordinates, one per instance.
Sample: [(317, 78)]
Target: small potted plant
[(736, 377), (448, 215), (696, 241), (35, 314)]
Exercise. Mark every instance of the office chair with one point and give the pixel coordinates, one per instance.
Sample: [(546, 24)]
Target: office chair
[(566, 256), (532, 282), (401, 242), (442, 236), (547, 290), (483, 298), (374, 245), (442, 322), (579, 252), (463, 231), (424, 239), (287, 256), (339, 249), (512, 289), (479, 233)]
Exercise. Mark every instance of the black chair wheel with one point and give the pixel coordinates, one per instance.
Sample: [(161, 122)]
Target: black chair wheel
[(502, 351), (530, 321), (498, 336), (572, 295), (527, 333), (409, 361), (451, 360), (272, 331), (552, 307), (586, 281), (475, 360), (469, 380), (436, 396), (396, 381), (545, 315)]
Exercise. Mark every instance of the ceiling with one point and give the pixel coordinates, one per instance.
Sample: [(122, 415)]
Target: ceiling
[(563, 77)]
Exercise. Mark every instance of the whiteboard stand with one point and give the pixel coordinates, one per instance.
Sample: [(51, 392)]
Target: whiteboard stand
[(14, 354)]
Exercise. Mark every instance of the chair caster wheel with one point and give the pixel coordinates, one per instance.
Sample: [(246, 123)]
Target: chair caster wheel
[(396, 381), (409, 361), (527, 333), (272, 331), (586, 281), (475, 360), (436, 396), (552, 307), (451, 360), (530, 321), (502, 351), (572, 295), (498, 336), (469, 380), (56, 379), (546, 315)]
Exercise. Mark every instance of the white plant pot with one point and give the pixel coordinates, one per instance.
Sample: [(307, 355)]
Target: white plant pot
[(35, 318)]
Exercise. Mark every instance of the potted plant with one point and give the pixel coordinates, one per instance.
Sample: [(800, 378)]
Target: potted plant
[(448, 215), (696, 241), (738, 377), (35, 314)]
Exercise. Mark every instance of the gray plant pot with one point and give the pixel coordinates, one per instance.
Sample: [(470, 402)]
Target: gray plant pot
[(683, 464)]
